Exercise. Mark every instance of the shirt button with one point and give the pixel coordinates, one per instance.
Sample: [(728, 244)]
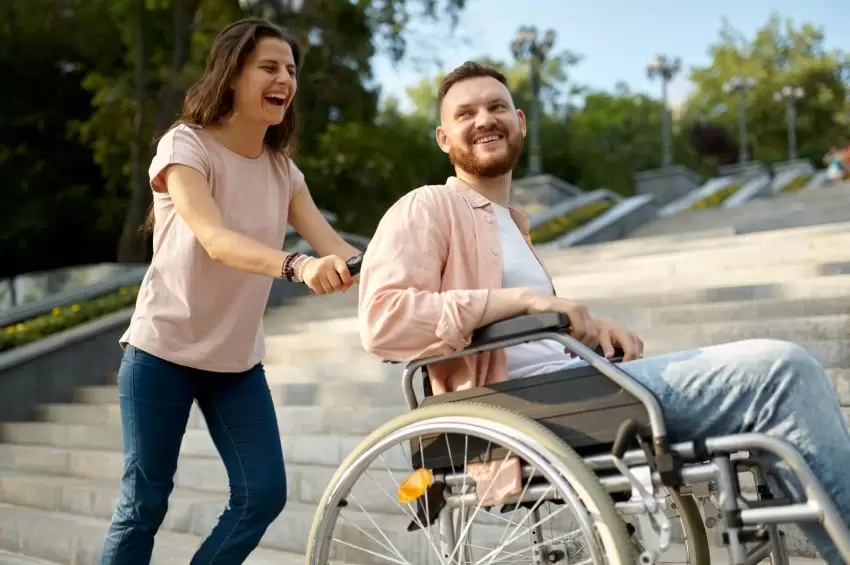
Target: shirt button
[(489, 219), (494, 251)]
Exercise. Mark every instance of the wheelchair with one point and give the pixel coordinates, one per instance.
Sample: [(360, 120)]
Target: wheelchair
[(569, 467)]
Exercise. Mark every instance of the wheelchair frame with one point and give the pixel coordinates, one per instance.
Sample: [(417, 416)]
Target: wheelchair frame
[(681, 465)]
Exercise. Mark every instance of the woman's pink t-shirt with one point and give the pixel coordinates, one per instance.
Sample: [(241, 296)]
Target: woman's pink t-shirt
[(192, 310)]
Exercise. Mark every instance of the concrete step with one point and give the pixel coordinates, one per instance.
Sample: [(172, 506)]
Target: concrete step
[(196, 513), (299, 420), (728, 312), (702, 296), (325, 449), (815, 328), (832, 354), (813, 319), (737, 273), (635, 318), (7, 558), (664, 294), (825, 339), (338, 394), (190, 512), (658, 245), (823, 248), (348, 364), (661, 338), (294, 420), (608, 285), (77, 540)]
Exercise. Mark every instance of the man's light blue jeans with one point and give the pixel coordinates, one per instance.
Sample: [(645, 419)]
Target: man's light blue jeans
[(763, 386)]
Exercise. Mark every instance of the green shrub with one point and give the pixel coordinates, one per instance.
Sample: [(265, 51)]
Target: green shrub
[(59, 319), (574, 219), (796, 184), (716, 198)]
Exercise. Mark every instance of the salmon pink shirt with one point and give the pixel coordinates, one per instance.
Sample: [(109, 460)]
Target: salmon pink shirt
[(192, 310), (426, 278)]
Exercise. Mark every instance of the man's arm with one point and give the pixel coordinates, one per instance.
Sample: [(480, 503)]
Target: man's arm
[(403, 313)]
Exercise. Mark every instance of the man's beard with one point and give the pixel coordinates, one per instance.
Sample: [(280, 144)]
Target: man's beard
[(488, 166)]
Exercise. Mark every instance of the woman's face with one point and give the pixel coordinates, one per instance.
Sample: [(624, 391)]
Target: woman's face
[(265, 87)]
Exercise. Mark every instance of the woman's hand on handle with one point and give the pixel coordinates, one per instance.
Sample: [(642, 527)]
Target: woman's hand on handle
[(327, 275)]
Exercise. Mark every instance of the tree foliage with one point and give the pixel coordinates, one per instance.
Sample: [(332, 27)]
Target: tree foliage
[(89, 85), (779, 54)]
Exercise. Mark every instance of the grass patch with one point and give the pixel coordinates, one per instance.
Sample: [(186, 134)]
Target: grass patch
[(60, 319), (796, 184), (716, 198), (570, 221)]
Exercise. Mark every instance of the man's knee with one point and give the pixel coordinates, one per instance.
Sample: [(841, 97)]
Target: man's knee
[(785, 359), (790, 354)]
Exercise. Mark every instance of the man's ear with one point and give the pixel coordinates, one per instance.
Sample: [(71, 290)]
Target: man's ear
[(523, 128), (442, 139)]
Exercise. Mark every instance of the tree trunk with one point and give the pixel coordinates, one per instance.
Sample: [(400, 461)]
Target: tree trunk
[(170, 95), (135, 245), (131, 246)]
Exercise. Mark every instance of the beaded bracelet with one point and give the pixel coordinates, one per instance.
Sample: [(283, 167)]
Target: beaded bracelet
[(299, 265), (286, 269)]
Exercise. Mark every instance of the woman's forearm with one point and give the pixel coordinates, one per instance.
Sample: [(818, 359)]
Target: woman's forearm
[(243, 253)]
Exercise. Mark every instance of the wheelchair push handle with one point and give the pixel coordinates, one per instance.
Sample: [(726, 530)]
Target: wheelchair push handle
[(354, 264)]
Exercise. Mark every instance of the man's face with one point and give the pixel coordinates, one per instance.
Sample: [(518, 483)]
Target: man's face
[(480, 129)]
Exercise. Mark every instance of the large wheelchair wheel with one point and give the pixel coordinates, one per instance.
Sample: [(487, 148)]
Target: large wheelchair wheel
[(436, 495), (697, 551)]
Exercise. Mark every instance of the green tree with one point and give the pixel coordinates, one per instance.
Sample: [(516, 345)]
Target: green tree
[(615, 135), (56, 210), (340, 39), (779, 54)]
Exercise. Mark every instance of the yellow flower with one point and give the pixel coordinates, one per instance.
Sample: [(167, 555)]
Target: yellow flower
[(56, 311), (10, 330), (75, 308), (19, 327)]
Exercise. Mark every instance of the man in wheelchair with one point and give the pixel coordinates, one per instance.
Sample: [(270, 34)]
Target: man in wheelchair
[(449, 259)]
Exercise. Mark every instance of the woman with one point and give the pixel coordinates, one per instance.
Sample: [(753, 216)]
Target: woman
[(224, 190)]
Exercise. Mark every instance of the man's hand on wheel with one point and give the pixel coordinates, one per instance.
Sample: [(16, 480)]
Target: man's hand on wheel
[(612, 335)]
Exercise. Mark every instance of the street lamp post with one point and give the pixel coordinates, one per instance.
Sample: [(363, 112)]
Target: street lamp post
[(790, 94), (665, 68), (741, 85), (527, 46)]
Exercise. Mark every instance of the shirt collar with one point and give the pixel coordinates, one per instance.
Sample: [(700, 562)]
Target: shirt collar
[(478, 200)]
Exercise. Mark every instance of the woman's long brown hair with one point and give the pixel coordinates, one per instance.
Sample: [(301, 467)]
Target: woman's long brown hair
[(211, 98)]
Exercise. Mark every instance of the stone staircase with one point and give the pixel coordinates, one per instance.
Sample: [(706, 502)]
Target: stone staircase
[(59, 473), (811, 207)]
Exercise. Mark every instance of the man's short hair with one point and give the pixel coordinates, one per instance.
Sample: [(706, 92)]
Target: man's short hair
[(469, 69)]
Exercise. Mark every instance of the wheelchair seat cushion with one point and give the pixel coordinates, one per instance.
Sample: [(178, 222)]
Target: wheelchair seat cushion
[(581, 406)]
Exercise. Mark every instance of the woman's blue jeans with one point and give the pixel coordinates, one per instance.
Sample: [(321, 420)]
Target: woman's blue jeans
[(155, 398)]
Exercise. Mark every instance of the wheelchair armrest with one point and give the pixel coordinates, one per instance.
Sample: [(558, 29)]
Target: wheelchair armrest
[(520, 326)]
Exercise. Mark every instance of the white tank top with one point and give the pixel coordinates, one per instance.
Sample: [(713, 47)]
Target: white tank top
[(520, 268)]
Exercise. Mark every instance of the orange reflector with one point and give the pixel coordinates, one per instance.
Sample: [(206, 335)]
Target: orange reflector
[(414, 486)]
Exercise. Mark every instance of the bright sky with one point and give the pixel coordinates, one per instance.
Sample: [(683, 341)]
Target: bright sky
[(617, 38)]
